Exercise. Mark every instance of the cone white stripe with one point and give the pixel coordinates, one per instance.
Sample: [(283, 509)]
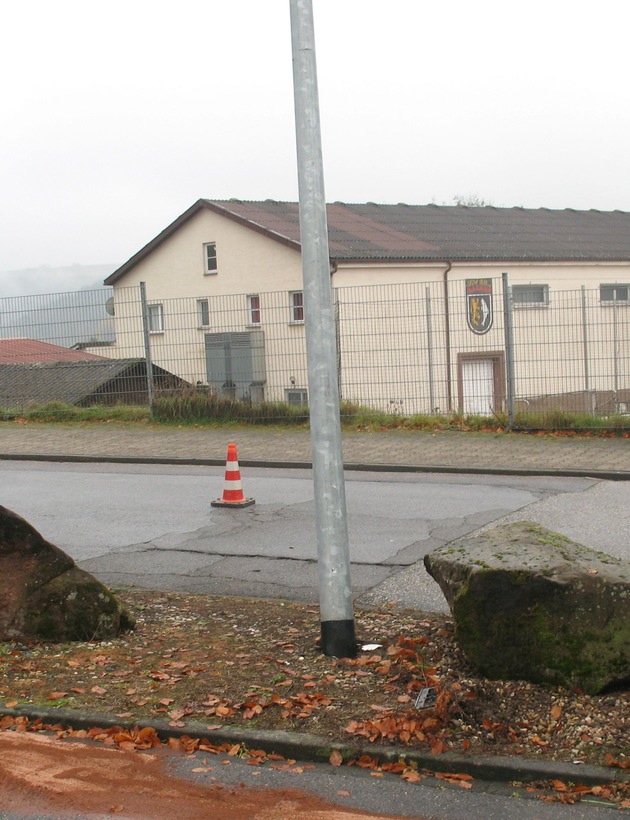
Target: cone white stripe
[(232, 485)]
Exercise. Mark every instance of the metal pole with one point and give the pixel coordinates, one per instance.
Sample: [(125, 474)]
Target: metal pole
[(147, 342), (335, 594), (427, 296), (617, 351), (589, 399), (509, 349)]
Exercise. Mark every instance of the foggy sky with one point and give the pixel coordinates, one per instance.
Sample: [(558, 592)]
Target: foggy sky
[(118, 116)]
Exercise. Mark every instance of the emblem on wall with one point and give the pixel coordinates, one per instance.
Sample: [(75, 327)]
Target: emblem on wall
[(479, 310)]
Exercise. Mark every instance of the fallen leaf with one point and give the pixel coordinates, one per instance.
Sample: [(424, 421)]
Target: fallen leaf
[(335, 758)]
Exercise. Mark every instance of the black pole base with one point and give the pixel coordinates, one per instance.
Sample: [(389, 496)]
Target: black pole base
[(338, 639)]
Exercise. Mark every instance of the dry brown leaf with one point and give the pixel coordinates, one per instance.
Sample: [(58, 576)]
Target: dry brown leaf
[(336, 758)]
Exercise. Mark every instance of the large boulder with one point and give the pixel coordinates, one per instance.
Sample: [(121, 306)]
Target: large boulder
[(44, 595), (530, 604)]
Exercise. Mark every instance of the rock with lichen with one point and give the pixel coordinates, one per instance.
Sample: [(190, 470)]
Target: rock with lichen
[(530, 604), (45, 596)]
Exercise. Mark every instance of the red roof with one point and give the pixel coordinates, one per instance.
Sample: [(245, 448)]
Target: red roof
[(22, 351)]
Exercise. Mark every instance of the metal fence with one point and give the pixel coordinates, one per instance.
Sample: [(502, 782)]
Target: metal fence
[(473, 346)]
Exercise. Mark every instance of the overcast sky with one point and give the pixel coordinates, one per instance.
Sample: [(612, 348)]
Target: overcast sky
[(117, 116)]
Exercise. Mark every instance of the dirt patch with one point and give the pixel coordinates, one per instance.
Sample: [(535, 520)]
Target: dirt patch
[(255, 663), (41, 774)]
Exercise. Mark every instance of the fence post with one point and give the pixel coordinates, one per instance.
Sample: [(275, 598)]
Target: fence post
[(589, 398), (427, 297), (616, 352), (509, 349), (147, 342), (337, 321)]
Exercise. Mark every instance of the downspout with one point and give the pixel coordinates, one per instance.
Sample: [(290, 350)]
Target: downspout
[(447, 330)]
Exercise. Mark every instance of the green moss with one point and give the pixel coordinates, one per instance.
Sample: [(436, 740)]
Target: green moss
[(74, 606)]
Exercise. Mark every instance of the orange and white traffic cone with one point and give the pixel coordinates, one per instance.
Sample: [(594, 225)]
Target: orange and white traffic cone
[(233, 489)]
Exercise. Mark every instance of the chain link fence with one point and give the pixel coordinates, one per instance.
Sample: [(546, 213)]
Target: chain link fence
[(469, 346)]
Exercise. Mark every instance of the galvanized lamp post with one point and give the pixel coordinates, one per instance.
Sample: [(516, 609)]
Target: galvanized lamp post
[(335, 594)]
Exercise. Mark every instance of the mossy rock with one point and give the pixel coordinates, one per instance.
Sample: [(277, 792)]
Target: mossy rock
[(533, 605), (45, 596)]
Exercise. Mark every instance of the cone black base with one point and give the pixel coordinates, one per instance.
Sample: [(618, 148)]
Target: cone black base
[(238, 504), (338, 639)]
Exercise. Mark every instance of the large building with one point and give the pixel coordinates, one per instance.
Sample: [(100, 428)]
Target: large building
[(419, 300)]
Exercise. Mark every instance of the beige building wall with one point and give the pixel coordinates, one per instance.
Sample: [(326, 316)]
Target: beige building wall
[(247, 261), (403, 343)]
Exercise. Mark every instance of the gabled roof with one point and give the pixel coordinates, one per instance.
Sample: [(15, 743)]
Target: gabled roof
[(371, 232), (32, 350), (77, 382)]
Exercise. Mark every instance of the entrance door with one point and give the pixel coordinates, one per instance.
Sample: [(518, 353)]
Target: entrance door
[(478, 387)]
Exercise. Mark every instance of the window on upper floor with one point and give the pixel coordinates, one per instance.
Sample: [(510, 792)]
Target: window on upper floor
[(203, 313), (253, 309), (210, 257), (614, 294), (297, 306), (156, 318), (530, 295)]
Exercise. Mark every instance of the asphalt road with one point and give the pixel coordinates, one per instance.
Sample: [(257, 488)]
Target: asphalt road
[(153, 525)]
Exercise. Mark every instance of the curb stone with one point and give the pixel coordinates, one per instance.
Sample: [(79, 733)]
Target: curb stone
[(312, 748), (604, 475)]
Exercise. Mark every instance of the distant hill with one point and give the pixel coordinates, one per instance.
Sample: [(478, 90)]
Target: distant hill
[(64, 306), (45, 279)]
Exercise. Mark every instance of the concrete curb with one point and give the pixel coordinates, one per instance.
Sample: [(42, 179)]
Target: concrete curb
[(312, 748), (605, 475)]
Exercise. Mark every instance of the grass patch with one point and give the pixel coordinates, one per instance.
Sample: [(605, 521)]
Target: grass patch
[(201, 407), (56, 411)]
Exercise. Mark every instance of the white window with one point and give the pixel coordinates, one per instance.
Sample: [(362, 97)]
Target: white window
[(297, 306), (611, 294), (296, 397), (253, 309), (210, 257), (530, 295), (203, 313), (156, 318)]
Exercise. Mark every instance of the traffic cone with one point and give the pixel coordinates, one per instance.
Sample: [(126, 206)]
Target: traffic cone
[(233, 489)]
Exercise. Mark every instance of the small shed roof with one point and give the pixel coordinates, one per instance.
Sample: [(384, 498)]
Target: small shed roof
[(71, 382)]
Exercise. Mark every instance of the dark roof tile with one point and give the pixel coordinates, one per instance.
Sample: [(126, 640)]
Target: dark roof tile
[(423, 233)]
